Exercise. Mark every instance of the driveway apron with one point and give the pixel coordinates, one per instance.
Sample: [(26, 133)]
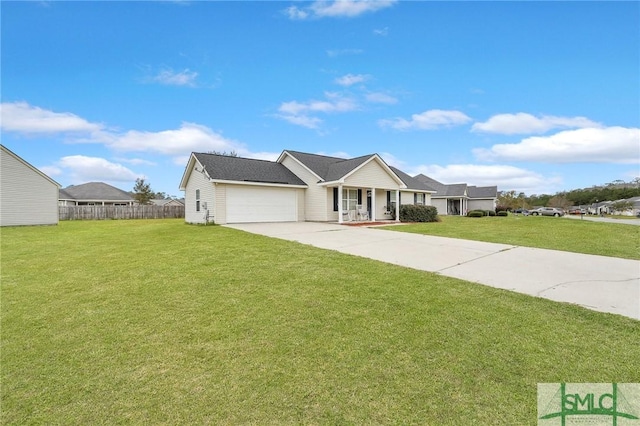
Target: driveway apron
[(601, 283)]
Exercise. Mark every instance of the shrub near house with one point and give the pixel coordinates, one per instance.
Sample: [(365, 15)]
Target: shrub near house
[(418, 213)]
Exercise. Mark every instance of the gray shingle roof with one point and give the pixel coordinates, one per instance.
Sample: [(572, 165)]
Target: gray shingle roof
[(328, 168), (483, 191), (440, 187), (94, 191), (412, 183), (224, 167), (334, 168), (443, 190), (458, 189)]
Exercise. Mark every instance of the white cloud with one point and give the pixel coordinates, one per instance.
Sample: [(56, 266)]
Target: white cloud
[(135, 161), (24, 118), (337, 8), (593, 145), (382, 31), (351, 79), (171, 78), (504, 176), (523, 123), (380, 98), (302, 120), (332, 53), (80, 169), (334, 103), (295, 13), (300, 113), (270, 156), (51, 170), (190, 137), (428, 120)]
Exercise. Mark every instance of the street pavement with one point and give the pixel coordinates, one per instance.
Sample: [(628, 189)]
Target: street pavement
[(601, 283), (625, 221)]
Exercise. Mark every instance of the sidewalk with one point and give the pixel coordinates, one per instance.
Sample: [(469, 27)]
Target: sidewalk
[(604, 284)]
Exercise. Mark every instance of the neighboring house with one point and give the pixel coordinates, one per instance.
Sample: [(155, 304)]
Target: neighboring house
[(635, 205), (602, 207), (167, 202), (94, 194), (459, 198), (296, 187), (27, 196)]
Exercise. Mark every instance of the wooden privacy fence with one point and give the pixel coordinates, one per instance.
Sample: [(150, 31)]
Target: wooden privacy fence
[(119, 212)]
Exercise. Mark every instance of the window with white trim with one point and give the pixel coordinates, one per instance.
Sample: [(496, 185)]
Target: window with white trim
[(197, 200), (349, 199), (420, 198)]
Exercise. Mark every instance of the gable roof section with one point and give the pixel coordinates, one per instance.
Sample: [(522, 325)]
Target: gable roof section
[(432, 183), (94, 191), (332, 169), (458, 189), (412, 183), (238, 169), (341, 169), (443, 190), (483, 192), (21, 160)]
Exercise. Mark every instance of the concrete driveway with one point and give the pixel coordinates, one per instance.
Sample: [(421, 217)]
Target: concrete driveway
[(604, 284)]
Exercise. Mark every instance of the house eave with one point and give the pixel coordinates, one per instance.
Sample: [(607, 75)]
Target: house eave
[(256, 183), (285, 154), (187, 172)]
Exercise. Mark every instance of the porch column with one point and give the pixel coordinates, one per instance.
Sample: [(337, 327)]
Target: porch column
[(339, 203), (461, 207), (398, 205), (373, 205)]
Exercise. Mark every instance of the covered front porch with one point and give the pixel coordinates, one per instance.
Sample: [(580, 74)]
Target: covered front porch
[(357, 204)]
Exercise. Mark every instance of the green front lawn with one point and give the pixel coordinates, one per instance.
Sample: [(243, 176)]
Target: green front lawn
[(159, 322), (578, 236)]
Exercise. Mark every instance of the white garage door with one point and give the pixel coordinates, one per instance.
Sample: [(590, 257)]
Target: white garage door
[(261, 204)]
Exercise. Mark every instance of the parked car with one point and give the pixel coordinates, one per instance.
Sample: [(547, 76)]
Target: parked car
[(577, 211), (523, 212), (548, 211)]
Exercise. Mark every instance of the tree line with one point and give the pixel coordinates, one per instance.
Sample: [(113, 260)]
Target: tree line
[(616, 190)]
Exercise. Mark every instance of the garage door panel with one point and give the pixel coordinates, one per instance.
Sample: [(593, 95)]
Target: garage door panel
[(261, 204)]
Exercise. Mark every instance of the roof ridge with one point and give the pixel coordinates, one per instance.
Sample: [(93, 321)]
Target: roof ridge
[(234, 156)]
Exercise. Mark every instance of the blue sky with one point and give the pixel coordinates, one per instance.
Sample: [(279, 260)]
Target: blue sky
[(532, 96)]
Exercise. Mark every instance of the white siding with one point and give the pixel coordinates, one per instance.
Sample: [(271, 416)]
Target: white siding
[(330, 214), (482, 204), (440, 204), (371, 175), (26, 196), (221, 203), (427, 199), (196, 181), (316, 206), (300, 196), (381, 202), (406, 197)]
